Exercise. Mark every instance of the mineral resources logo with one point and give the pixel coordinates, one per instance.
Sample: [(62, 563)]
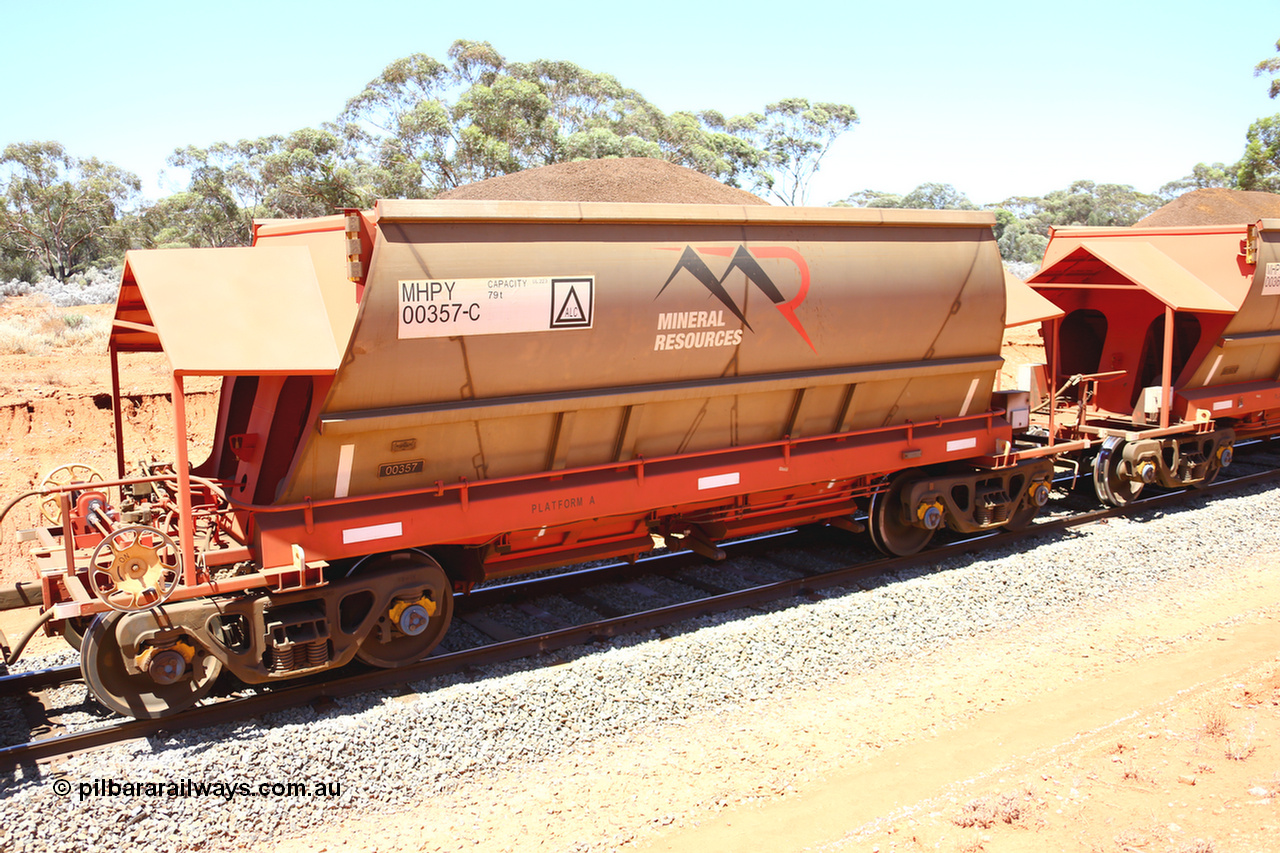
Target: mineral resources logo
[(747, 262)]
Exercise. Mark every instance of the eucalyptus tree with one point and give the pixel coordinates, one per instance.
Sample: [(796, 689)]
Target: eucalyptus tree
[(1203, 176), (1083, 203), (1259, 167), (430, 126), (308, 172), (58, 211), (795, 135)]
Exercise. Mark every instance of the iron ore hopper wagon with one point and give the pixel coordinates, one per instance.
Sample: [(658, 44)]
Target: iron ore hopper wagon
[(1167, 352), (428, 395)]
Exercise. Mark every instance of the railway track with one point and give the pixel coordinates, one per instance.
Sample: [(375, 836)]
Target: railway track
[(485, 634)]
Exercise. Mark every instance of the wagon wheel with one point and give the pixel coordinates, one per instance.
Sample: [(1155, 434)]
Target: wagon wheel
[(74, 629), (414, 621), (64, 475), (1222, 457), (1110, 487), (1022, 518), (886, 521), (135, 568), (1210, 476), (141, 694)]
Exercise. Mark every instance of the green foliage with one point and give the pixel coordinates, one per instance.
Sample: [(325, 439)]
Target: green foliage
[(431, 126), (794, 136), (305, 173), (937, 197), (1022, 223), (1083, 203), (1270, 66), (1259, 168), (1017, 242), (59, 213), (1203, 176), (930, 196), (870, 198), (420, 127)]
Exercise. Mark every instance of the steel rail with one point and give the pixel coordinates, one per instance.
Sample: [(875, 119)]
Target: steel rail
[(14, 683), (296, 694), (17, 683)]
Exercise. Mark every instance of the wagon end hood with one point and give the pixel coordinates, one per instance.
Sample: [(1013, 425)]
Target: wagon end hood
[(1023, 305), (226, 311), (1135, 262)]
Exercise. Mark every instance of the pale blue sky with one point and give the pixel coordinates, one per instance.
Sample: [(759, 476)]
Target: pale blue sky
[(998, 99)]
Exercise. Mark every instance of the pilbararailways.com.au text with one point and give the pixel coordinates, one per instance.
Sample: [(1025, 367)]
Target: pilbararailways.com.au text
[(197, 788)]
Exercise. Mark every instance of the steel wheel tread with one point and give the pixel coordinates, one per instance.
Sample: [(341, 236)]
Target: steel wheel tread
[(889, 531), (138, 695), (404, 649), (1110, 487)]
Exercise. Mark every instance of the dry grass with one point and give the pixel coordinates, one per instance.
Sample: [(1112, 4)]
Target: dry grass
[(1213, 721), (1131, 839), (1239, 749), (985, 813), (1197, 845), (52, 328)]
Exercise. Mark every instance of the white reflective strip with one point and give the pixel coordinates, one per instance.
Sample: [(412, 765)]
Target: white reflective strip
[(1213, 369), (373, 531), (343, 485), (718, 480), (962, 443), (1222, 404), (968, 398)]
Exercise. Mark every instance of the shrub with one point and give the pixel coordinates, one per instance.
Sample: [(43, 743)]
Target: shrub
[(93, 287)]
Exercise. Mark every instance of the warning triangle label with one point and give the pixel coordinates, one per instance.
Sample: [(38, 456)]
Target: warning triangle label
[(572, 303), (571, 310)]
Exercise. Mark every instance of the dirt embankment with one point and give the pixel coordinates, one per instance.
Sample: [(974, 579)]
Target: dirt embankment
[(38, 435)]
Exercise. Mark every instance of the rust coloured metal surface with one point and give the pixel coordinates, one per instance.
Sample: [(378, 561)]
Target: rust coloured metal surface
[(467, 390), (697, 329)]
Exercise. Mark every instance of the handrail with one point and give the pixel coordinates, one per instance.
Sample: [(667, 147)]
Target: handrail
[(439, 488)]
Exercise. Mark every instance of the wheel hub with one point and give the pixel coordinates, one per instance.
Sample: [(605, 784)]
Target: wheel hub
[(930, 514), (417, 617), (166, 667), (160, 681), (413, 618)]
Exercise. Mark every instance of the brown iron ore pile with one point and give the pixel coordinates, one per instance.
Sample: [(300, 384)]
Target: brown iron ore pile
[(635, 179), (1215, 206)]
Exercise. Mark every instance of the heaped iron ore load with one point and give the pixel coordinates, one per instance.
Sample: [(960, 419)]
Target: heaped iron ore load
[(432, 394)]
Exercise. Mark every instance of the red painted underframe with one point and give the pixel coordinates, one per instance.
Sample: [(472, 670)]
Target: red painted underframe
[(477, 511)]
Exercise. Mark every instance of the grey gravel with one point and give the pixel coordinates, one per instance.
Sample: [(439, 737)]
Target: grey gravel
[(387, 750)]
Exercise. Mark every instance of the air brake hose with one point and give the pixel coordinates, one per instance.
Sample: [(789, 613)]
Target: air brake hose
[(22, 497), (11, 657)]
